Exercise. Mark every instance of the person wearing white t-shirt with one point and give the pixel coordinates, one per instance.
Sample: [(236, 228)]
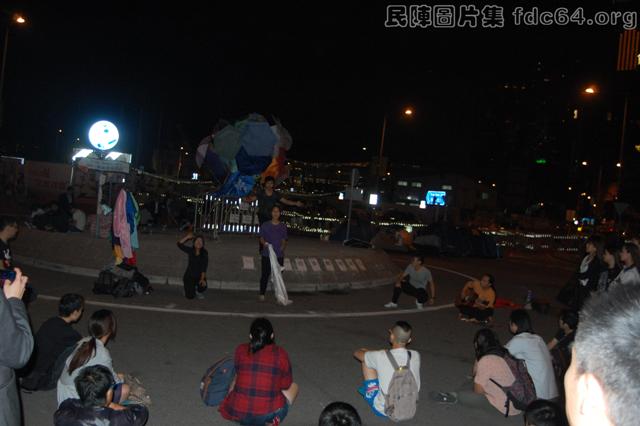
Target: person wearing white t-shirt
[(377, 370), (533, 350)]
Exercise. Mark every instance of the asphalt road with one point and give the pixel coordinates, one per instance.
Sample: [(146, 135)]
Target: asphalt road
[(171, 345)]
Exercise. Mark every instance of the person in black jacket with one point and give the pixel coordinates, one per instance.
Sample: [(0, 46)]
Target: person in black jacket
[(96, 406), (195, 277), (591, 267), (52, 339)]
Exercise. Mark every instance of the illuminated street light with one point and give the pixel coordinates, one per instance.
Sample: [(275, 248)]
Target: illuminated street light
[(618, 165), (364, 148), (20, 20), (408, 111), (591, 90), (584, 163), (493, 185), (59, 130), (570, 189)]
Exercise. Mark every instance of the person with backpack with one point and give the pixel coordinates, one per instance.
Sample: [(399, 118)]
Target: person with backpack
[(391, 376), (532, 349), (95, 405), (498, 379), (53, 337), (263, 389), (195, 277), (90, 351)]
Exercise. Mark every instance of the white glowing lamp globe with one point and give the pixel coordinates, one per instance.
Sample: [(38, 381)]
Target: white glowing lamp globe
[(103, 135)]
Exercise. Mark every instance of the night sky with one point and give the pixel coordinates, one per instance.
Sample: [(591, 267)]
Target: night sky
[(166, 74)]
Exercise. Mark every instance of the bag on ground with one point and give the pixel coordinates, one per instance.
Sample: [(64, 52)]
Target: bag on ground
[(216, 382), (105, 283), (401, 399), (127, 288), (522, 391), (137, 393)]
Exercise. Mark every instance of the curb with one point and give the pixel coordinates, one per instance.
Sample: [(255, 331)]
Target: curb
[(292, 287)]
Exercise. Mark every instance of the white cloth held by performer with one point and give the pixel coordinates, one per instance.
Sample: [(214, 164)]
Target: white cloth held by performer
[(276, 278)]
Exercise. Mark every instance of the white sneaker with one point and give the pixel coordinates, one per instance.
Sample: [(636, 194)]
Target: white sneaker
[(199, 295), (419, 305), (391, 305)]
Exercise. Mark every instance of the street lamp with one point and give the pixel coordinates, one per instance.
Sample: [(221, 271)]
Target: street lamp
[(20, 20), (591, 90), (408, 112)]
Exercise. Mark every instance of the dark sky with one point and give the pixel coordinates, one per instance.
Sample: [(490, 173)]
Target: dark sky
[(330, 71)]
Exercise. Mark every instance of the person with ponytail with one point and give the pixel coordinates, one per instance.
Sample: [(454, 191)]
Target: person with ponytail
[(92, 351), (264, 389)]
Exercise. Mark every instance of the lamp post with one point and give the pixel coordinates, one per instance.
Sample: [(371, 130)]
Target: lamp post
[(20, 20), (408, 112)]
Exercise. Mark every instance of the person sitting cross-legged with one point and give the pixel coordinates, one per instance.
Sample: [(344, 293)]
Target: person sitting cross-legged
[(377, 369), (413, 281), (54, 336), (95, 404)]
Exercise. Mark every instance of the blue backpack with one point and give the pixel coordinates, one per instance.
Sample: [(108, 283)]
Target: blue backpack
[(215, 383)]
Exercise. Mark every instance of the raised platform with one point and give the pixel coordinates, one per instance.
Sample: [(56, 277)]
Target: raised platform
[(234, 263)]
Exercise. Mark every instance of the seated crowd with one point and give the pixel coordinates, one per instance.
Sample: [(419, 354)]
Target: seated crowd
[(588, 369)]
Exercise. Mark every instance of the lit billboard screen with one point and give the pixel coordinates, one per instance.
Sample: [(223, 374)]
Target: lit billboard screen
[(436, 198)]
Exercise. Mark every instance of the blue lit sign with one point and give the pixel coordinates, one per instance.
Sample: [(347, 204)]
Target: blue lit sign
[(436, 198)]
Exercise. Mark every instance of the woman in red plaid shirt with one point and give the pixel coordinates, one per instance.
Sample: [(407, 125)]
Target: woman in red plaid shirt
[(263, 388)]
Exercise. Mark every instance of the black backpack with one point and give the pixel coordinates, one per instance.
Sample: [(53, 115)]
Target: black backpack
[(106, 283), (127, 288)]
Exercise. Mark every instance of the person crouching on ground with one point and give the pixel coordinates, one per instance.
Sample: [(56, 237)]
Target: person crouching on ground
[(263, 389), (413, 281), (477, 299), (90, 351), (195, 277), (95, 405), (377, 369)]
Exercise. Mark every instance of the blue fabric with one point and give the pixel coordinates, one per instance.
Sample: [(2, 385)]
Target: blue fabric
[(369, 390), (251, 165), (131, 219), (257, 138), (216, 165), (280, 414), (237, 185)]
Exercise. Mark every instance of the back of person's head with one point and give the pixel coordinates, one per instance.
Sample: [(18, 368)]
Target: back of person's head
[(401, 332), (102, 323), (260, 335), (7, 221), (93, 384), (269, 179), (486, 342), (69, 303), (570, 318), (419, 259), (520, 318), (605, 369), (339, 414), (543, 413)]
